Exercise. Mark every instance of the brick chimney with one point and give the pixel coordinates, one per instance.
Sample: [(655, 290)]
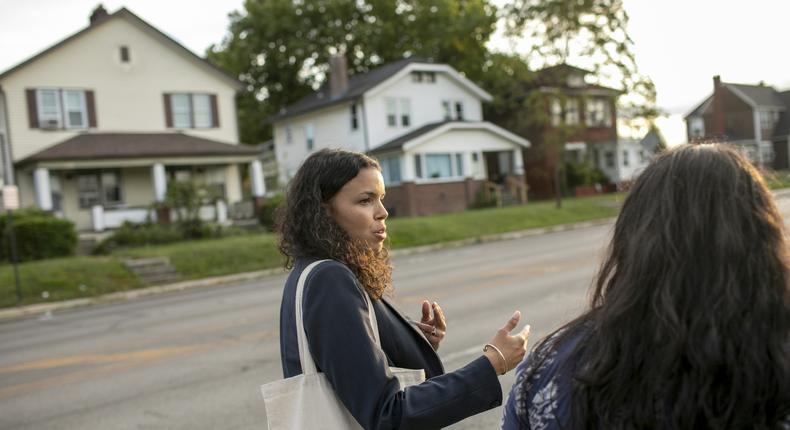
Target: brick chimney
[(717, 122), (98, 14), (338, 76)]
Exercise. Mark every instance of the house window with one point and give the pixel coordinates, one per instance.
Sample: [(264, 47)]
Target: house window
[(625, 158), (697, 127), (354, 117), (124, 51), (597, 113), (49, 109), (609, 157), (289, 137), (390, 170), (556, 112), (428, 77), (442, 165), (392, 112), (192, 110), (572, 111), (768, 119), (58, 108), (448, 110), (418, 165), (405, 112), (308, 134), (438, 165), (99, 188), (459, 111), (201, 110)]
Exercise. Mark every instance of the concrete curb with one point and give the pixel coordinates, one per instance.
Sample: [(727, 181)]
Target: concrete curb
[(45, 308)]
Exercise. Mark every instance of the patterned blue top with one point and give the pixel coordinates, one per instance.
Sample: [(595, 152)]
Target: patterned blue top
[(541, 396)]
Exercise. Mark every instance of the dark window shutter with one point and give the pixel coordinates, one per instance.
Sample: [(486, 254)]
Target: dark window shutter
[(90, 102), (168, 112), (214, 111), (32, 108)]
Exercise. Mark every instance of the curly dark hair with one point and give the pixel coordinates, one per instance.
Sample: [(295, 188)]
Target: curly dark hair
[(689, 323), (307, 230)]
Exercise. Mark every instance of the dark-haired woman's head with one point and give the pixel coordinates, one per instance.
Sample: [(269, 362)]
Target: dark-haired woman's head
[(690, 316), (333, 209)]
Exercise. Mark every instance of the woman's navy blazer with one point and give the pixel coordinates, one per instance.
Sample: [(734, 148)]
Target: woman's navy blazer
[(342, 344)]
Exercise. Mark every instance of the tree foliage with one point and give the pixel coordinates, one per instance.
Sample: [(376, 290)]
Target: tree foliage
[(280, 48), (593, 31)]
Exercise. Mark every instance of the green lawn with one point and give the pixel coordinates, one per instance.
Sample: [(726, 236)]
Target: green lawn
[(68, 278)]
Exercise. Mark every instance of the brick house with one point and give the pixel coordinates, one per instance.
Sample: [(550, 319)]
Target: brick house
[(423, 121), (590, 111), (753, 117)]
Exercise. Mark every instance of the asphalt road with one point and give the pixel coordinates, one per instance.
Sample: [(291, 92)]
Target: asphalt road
[(195, 359)]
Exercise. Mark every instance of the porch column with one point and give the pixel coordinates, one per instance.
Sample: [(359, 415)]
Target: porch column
[(256, 175), (518, 162), (160, 181), (43, 191), (222, 212), (97, 217)]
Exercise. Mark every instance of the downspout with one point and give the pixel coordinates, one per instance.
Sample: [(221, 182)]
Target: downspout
[(8, 172), (364, 123)]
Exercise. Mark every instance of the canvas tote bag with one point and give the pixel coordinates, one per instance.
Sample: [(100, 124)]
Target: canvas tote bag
[(307, 401)]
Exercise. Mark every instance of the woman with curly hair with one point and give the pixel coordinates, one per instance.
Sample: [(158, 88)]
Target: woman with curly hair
[(333, 211), (689, 325)]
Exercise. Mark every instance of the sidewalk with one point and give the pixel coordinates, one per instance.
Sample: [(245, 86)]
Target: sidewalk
[(46, 308)]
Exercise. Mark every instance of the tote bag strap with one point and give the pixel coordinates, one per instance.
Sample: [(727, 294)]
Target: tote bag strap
[(305, 358)]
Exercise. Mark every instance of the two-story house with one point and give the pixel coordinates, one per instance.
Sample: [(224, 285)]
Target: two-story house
[(581, 123), (754, 117), (96, 125), (423, 121)]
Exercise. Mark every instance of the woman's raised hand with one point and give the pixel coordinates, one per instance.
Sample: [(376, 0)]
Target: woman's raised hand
[(504, 351), (433, 323)]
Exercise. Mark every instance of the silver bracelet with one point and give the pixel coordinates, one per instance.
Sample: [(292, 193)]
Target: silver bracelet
[(502, 356)]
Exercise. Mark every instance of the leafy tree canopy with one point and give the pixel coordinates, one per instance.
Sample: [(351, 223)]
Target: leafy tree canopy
[(280, 48)]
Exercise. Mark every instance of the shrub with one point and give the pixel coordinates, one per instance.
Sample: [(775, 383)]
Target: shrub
[(268, 211), (578, 174), (39, 235)]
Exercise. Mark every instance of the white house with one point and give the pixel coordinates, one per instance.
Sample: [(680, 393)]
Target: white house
[(622, 160), (423, 121), (97, 124)]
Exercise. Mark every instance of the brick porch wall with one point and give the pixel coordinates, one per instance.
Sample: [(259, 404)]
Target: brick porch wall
[(410, 199)]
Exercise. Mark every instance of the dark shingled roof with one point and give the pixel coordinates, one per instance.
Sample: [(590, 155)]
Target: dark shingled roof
[(357, 85), (701, 108), (399, 141), (90, 146), (759, 94)]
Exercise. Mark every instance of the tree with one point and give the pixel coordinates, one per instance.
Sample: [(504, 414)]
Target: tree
[(281, 48), (563, 31)]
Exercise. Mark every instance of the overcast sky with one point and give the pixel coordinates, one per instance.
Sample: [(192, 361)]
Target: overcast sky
[(680, 44)]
